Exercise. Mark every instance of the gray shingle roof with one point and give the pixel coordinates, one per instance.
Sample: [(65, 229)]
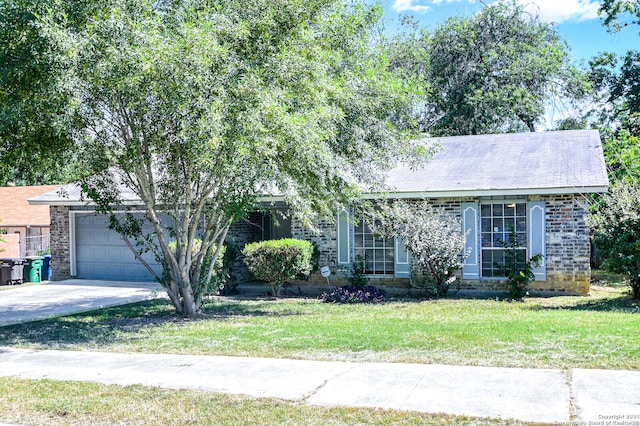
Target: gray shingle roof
[(559, 162), (514, 163)]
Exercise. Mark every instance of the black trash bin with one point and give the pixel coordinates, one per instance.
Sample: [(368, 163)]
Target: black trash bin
[(33, 269), (11, 271)]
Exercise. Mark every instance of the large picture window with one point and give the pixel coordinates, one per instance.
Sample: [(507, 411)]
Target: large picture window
[(497, 221), (376, 252)]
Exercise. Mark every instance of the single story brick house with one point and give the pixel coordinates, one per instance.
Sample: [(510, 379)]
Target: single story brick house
[(538, 183)]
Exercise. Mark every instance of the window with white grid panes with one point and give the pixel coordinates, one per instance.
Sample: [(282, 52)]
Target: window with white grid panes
[(496, 222), (377, 252)]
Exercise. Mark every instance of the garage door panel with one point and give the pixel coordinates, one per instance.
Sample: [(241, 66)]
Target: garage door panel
[(101, 253), (115, 254)]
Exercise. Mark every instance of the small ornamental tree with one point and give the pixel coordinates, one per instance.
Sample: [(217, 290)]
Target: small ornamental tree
[(616, 228), (193, 110), (516, 267), (279, 261), (222, 281), (435, 241)]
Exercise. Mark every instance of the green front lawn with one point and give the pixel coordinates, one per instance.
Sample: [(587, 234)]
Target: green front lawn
[(600, 331), (46, 402)]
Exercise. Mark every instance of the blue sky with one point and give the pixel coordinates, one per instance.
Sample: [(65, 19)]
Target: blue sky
[(577, 21)]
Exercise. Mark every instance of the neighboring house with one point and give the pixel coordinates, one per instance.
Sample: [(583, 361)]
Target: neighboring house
[(539, 183), (26, 227)]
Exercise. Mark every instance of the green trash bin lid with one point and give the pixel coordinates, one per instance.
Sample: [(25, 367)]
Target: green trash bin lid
[(34, 260)]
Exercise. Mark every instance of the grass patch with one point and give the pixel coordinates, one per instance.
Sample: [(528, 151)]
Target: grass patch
[(599, 331), (602, 278), (47, 402)]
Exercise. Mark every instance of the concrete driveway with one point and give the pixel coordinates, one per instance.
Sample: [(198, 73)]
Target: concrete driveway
[(54, 299)]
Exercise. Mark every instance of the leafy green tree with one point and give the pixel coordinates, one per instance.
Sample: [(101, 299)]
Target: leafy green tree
[(36, 144), (618, 82), (492, 72), (617, 86), (616, 226), (620, 13), (622, 155), (614, 218), (571, 123), (197, 108)]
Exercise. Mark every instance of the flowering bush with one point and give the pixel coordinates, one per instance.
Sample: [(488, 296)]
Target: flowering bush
[(435, 241), (355, 294)]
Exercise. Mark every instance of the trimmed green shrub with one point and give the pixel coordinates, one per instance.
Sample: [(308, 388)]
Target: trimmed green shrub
[(315, 265), (279, 261)]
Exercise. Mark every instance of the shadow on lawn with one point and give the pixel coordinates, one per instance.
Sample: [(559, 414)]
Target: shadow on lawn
[(623, 303), (110, 325)]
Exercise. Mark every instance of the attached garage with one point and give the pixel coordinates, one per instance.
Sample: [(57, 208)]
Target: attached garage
[(101, 253)]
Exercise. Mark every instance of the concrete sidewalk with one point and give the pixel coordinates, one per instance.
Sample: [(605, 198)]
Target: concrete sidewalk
[(53, 299), (546, 396)]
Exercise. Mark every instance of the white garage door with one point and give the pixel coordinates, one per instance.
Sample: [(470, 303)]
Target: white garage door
[(101, 253)]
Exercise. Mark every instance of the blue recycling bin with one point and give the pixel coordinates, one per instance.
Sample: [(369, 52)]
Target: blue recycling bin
[(46, 268)]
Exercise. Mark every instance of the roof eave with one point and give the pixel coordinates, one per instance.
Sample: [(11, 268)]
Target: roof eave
[(76, 203), (470, 193), (394, 194), (492, 192)]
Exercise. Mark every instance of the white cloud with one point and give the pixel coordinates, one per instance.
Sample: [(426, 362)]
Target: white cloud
[(548, 10), (424, 6), (407, 5), (562, 10)]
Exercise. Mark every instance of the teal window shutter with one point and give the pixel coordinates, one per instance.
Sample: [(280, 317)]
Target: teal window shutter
[(471, 266), (537, 238), (344, 238), (402, 260)]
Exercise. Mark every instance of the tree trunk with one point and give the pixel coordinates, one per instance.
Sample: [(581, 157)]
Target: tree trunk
[(189, 306), (175, 300)]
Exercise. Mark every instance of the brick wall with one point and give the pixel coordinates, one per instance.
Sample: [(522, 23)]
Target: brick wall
[(247, 230), (325, 235), (60, 244), (567, 248), (567, 245)]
